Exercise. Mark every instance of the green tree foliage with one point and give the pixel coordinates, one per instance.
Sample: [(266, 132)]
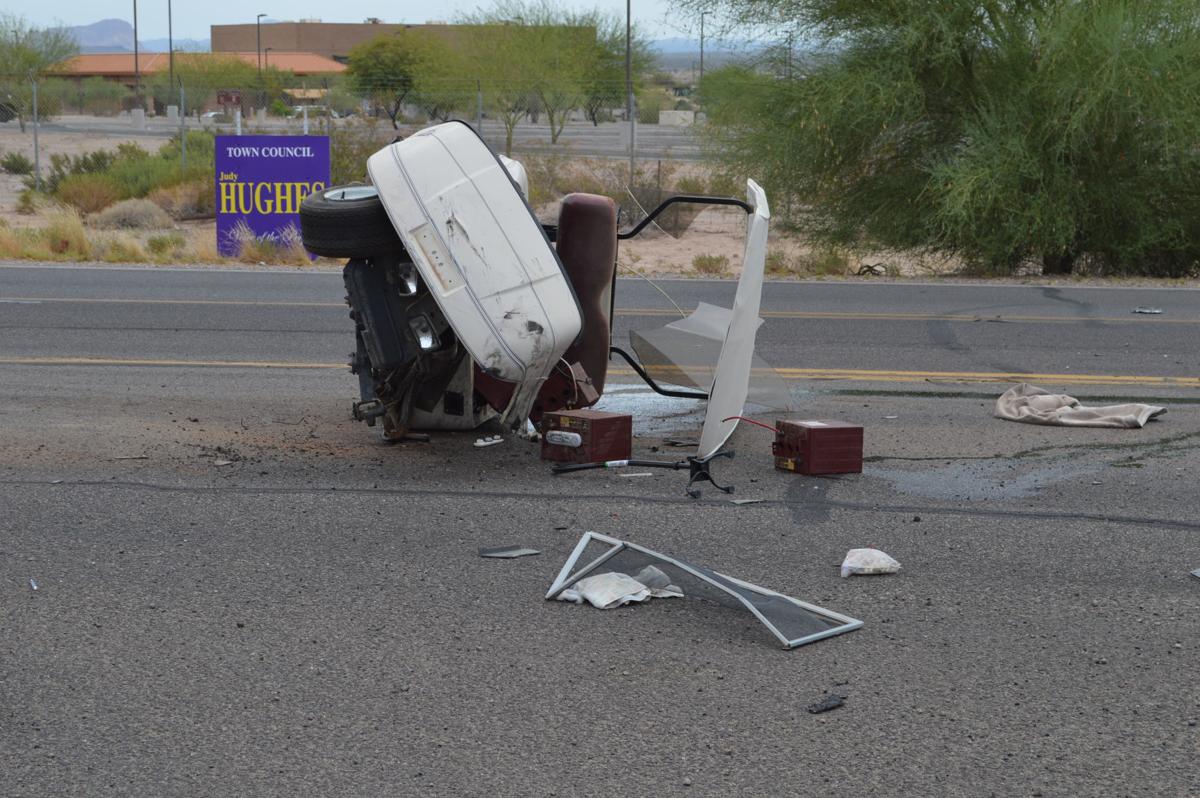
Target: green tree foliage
[(1058, 130), (102, 97), (539, 57), (202, 75), (26, 54), (386, 69)]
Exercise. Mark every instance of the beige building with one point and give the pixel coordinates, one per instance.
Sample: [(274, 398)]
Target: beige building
[(330, 39)]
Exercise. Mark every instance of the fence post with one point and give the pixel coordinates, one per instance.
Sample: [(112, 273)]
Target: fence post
[(304, 110), (237, 121), (37, 156), (479, 108), (182, 131)]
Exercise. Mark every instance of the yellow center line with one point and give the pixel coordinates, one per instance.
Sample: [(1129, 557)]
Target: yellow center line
[(656, 312), (791, 374)]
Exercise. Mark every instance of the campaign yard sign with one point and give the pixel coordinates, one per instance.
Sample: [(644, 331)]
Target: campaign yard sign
[(261, 181)]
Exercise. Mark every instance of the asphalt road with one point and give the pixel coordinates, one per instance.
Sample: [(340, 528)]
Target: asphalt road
[(312, 618)]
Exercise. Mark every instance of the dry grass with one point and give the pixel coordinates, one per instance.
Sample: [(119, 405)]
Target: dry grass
[(710, 264), (63, 237), (191, 200), (132, 214), (119, 248)]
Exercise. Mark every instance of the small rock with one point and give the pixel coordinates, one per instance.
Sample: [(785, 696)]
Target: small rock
[(687, 782), (1101, 661), (916, 519), (831, 701)]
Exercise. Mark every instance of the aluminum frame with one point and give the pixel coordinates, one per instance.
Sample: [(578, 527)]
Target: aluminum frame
[(568, 577)]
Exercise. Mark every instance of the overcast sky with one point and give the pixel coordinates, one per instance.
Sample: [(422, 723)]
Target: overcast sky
[(190, 19)]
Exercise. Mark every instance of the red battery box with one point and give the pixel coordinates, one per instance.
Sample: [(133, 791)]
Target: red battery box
[(818, 447), (586, 436)]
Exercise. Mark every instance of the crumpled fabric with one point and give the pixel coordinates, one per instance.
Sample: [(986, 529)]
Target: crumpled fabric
[(1033, 405), (610, 590)]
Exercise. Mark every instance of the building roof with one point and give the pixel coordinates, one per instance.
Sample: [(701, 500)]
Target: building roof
[(119, 65)]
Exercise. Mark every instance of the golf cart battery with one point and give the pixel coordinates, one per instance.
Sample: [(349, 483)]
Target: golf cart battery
[(818, 447), (586, 436)]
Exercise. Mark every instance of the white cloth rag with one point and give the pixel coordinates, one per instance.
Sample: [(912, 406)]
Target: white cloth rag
[(1034, 405), (606, 591)]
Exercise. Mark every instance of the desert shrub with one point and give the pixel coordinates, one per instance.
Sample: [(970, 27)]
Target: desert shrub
[(166, 244), (132, 214), (16, 163), (710, 264), (119, 249), (778, 263), (87, 193), (351, 145), (1057, 131), (64, 235), (825, 262), (131, 171), (194, 199), (63, 166), (29, 201)]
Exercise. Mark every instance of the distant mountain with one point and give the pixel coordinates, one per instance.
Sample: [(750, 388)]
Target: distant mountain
[(116, 36), (111, 35)]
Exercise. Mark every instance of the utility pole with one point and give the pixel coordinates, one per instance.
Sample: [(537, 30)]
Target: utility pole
[(37, 157), (702, 15), (170, 45), (629, 84), (137, 67), (258, 54)]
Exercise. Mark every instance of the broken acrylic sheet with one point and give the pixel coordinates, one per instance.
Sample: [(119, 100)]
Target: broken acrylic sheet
[(1033, 405), (610, 590), (792, 622)]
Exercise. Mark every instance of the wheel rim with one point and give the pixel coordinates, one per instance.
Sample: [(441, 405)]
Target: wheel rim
[(351, 193)]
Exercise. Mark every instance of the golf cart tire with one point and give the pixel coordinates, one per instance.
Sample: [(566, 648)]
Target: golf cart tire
[(347, 228)]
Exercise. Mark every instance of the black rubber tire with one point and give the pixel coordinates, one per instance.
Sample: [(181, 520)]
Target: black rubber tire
[(347, 228)]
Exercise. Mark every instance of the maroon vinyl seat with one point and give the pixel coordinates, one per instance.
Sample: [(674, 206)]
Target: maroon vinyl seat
[(587, 247)]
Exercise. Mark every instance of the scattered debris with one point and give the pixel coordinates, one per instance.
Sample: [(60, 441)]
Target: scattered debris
[(871, 270), (132, 457), (508, 552), (611, 590), (868, 561), (889, 418), (56, 482), (489, 440), (1151, 311), (33, 584), (1196, 573), (831, 701), (417, 437), (792, 622), (818, 447), (1034, 405), (682, 443), (744, 501), (587, 436), (222, 462), (637, 474)]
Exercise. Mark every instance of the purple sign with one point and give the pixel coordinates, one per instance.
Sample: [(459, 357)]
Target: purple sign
[(261, 181)]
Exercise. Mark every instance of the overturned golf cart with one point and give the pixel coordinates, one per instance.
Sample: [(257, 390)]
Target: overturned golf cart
[(468, 310)]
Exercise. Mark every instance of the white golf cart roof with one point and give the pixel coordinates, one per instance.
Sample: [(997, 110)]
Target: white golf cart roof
[(482, 254)]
